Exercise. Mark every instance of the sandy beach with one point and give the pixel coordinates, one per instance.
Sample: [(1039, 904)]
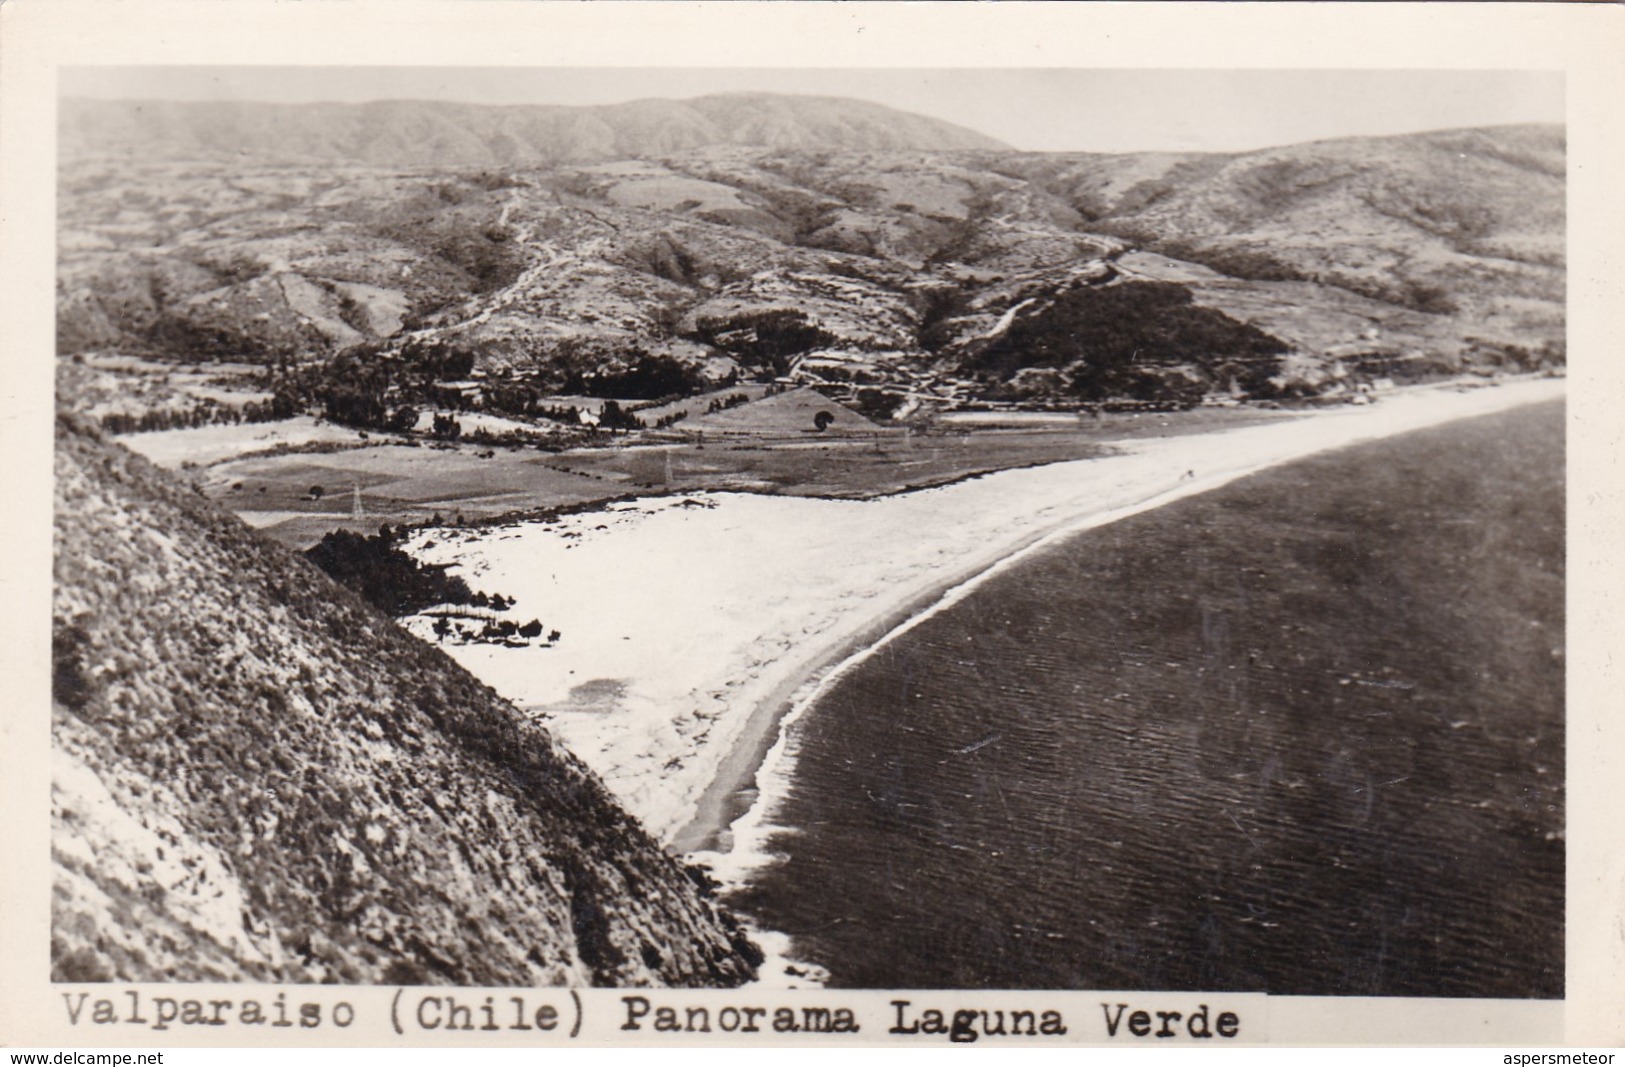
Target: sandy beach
[(692, 625)]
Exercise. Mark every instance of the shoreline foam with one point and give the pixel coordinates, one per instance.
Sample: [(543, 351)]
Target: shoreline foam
[(815, 673), (708, 626), (774, 830)]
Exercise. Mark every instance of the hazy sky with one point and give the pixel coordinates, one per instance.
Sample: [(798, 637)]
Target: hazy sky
[(1034, 109)]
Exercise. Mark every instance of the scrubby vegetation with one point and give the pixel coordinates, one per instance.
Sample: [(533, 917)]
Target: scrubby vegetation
[(1144, 340), (492, 631), (331, 799), (937, 307), (1254, 262), (202, 412), (644, 377), (480, 288), (388, 577), (392, 580), (763, 340)]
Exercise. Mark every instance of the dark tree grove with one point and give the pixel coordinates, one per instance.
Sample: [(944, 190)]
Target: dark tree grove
[(763, 339), (1122, 340), (613, 417), (646, 378), (385, 575)]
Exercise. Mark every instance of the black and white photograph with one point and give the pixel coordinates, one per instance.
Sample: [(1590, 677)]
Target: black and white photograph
[(802, 531)]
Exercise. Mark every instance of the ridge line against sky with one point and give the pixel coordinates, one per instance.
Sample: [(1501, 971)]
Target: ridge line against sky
[(1048, 110)]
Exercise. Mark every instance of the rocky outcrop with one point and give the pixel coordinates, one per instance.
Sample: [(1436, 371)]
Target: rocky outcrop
[(257, 776)]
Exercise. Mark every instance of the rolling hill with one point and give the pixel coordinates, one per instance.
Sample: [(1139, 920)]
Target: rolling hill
[(1428, 221), (257, 776), (422, 133), (677, 228)]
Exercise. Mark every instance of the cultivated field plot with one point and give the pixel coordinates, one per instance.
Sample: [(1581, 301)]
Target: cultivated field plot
[(396, 483), (401, 483), (873, 464), (829, 467)]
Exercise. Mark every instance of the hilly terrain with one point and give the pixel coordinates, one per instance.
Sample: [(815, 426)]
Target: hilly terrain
[(257, 776), (333, 316), (832, 243), (424, 133)]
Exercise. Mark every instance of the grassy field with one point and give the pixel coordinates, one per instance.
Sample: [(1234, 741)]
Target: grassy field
[(412, 484), (398, 483)]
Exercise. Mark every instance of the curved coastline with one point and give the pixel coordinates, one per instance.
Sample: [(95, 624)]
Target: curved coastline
[(735, 806), (1318, 652), (718, 808), (697, 627)]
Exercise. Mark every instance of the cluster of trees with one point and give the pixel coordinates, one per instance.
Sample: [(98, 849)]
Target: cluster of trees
[(355, 404), (366, 388), (614, 417), (494, 631), (723, 403), (646, 377), (203, 412), (938, 307), (1141, 340), (346, 389), (520, 399), (878, 403), (840, 374), (564, 413), (492, 440), (435, 361), (387, 576), (371, 388), (382, 395), (764, 340)]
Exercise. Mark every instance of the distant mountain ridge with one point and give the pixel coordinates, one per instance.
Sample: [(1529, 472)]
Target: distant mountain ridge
[(1430, 252), (414, 133)]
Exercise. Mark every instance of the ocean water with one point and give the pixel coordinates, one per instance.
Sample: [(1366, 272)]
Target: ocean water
[(1302, 734)]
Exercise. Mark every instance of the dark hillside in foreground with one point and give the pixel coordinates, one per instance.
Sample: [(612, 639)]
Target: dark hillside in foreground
[(1303, 734), (256, 776)]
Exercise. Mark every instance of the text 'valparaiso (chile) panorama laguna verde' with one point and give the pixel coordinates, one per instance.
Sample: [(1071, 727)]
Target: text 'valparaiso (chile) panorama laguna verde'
[(740, 535)]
